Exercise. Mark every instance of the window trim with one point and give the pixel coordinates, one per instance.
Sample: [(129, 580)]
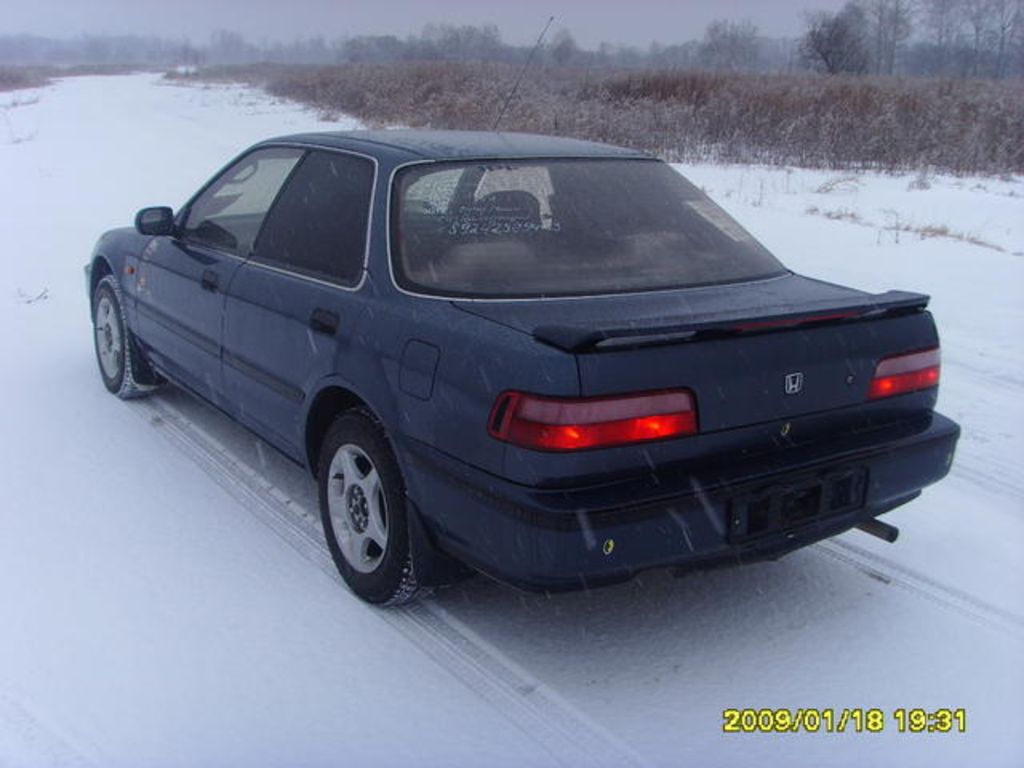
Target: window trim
[(311, 275), (787, 272)]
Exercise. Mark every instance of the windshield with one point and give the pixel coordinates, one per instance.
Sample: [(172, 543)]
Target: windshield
[(542, 228)]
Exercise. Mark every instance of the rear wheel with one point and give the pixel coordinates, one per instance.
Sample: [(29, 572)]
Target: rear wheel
[(363, 510), (121, 365)]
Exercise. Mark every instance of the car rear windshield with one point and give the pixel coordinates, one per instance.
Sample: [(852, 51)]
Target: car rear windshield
[(546, 228)]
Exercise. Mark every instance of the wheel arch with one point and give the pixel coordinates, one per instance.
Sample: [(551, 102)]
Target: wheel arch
[(99, 268), (333, 398)]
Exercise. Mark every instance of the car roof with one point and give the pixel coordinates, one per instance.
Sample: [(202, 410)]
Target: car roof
[(454, 145)]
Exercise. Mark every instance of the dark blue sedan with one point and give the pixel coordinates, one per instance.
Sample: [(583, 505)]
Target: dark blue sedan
[(552, 361)]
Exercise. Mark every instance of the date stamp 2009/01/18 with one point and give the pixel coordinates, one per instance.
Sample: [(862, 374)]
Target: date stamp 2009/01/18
[(846, 720)]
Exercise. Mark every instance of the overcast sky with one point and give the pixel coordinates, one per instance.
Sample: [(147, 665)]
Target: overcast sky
[(637, 22)]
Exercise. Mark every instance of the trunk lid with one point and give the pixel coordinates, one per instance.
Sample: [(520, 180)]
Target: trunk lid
[(751, 352)]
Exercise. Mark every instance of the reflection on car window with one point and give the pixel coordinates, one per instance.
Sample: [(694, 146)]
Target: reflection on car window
[(534, 228), (228, 215), (434, 191), (318, 225)]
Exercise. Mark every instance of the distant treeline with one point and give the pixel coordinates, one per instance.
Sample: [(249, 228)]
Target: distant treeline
[(842, 122), (950, 38), (436, 42), (92, 50)]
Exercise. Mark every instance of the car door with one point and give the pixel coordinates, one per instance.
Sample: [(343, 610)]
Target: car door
[(292, 307), (182, 278)]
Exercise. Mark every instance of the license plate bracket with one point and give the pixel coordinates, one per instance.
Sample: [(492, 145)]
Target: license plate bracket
[(786, 506)]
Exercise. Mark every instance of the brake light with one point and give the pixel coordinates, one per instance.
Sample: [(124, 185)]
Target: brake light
[(788, 322), (905, 373), (574, 424)]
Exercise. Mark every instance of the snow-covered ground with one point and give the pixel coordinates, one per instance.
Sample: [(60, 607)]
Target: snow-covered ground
[(164, 599)]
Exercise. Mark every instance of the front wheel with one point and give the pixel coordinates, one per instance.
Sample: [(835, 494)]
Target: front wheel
[(121, 366), (363, 510)]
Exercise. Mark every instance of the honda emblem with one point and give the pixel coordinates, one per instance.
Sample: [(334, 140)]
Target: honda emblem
[(794, 383)]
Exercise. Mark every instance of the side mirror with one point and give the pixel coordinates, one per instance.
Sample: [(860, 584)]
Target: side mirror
[(155, 221)]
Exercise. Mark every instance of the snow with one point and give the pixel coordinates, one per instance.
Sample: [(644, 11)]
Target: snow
[(165, 601)]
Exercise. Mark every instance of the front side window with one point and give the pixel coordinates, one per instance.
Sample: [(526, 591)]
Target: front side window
[(228, 214), (546, 228), (318, 225)]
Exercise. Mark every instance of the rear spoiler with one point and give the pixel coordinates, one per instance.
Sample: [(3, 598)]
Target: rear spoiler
[(727, 323)]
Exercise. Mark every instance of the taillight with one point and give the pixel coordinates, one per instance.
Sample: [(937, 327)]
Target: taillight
[(905, 373), (573, 424)]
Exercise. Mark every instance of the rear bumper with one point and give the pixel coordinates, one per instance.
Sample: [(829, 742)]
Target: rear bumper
[(564, 539)]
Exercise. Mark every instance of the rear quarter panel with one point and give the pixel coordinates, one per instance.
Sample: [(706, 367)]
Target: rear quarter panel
[(476, 360)]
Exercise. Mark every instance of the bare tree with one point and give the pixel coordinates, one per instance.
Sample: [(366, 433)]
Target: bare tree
[(834, 42), (890, 24), (976, 16), (563, 47), (1017, 42), (229, 47), (463, 43), (943, 18), (1007, 17), (901, 24), (989, 34), (730, 46)]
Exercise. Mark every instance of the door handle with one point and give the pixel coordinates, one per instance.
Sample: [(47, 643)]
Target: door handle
[(323, 321), (210, 280)]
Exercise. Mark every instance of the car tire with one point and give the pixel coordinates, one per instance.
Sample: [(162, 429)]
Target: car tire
[(363, 510), (122, 368)]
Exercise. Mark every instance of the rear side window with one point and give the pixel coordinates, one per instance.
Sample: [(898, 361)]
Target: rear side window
[(229, 212), (563, 227), (318, 225)]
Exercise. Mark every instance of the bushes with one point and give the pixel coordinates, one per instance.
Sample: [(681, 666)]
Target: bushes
[(892, 124), (428, 94), (13, 78), (804, 120)]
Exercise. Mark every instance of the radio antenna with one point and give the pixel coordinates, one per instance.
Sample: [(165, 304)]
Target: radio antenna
[(519, 77)]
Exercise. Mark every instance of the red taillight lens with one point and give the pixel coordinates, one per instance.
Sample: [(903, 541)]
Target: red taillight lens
[(573, 424), (905, 373)]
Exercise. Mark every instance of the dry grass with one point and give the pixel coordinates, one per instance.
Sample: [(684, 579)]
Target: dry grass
[(802, 120), (944, 232), (838, 214), (16, 78), (895, 227)]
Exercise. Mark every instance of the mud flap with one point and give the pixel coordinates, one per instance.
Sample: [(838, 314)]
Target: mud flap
[(433, 567)]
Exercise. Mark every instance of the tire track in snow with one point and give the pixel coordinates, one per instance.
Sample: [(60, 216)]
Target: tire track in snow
[(949, 597), (566, 734), (1001, 478), (24, 740), (987, 469)]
